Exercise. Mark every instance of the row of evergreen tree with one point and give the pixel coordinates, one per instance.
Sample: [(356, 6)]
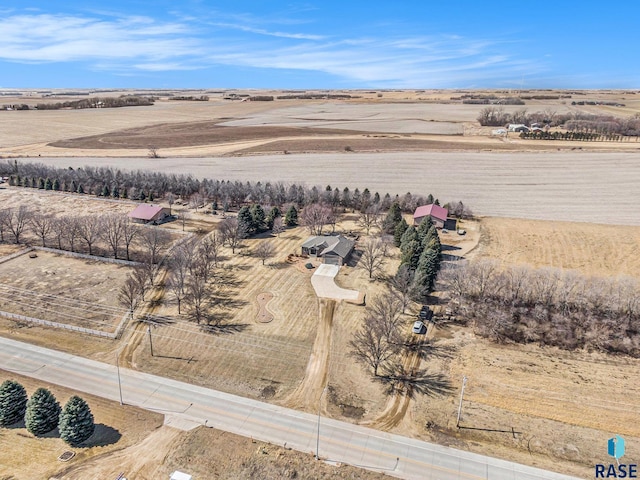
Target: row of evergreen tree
[(419, 246), (143, 185), (42, 413)]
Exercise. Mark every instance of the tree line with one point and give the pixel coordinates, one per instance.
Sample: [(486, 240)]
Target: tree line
[(220, 194), (42, 413), (99, 102), (546, 306), (572, 121), (112, 235)]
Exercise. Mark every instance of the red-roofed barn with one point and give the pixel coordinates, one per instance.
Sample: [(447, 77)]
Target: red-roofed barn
[(144, 213), (437, 213)]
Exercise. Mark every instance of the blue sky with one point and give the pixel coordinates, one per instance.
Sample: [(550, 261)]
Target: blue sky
[(319, 44)]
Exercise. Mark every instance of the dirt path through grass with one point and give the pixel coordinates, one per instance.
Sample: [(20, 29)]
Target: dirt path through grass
[(307, 395)]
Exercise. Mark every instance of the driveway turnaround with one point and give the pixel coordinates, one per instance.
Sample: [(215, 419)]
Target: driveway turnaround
[(335, 441), (323, 281)]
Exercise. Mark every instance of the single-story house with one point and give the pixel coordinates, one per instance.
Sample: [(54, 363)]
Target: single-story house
[(332, 249), (144, 213), (437, 213)]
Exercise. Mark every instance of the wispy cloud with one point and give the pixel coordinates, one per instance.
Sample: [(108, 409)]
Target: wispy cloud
[(145, 44)]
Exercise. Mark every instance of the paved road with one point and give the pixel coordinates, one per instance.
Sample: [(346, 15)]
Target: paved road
[(339, 441)]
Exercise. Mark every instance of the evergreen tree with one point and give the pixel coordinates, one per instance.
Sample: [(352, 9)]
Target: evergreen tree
[(115, 193), (47, 184), (427, 270), (429, 199), (13, 402), (80, 189), (124, 193), (424, 227), (42, 412), (76, 421), (246, 219), (105, 191), (73, 186), (291, 218), (346, 198), (399, 231), (393, 218), (55, 186), (411, 251), (257, 217), (41, 183), (273, 214)]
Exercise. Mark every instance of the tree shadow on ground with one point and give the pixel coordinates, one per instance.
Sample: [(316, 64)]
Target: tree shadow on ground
[(451, 258), (224, 328), (446, 248), (103, 435), (412, 383), (19, 424), (428, 349), (156, 320)]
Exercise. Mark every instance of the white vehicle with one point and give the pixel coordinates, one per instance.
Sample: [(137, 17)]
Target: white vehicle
[(418, 327)]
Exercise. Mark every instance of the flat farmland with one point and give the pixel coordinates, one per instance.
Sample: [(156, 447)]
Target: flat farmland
[(592, 249), (571, 186), (63, 289)]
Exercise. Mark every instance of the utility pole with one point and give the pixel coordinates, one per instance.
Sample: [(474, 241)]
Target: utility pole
[(464, 383), (118, 370), (150, 339)]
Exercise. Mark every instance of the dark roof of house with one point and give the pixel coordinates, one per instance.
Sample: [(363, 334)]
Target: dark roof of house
[(434, 210), (145, 212), (337, 244)]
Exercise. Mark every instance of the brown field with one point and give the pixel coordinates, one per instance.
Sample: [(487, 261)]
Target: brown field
[(569, 186), (426, 113), (592, 249), (63, 289)]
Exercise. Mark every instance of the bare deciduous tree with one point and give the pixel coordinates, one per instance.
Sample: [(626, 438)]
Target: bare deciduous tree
[(154, 240), (129, 232), (373, 257), (112, 232), (41, 225), (278, 226), (129, 295), (265, 250), (315, 217), (369, 218), (90, 230), (71, 231), (17, 221), (57, 227), (232, 232), (4, 216), (402, 284), (378, 340)]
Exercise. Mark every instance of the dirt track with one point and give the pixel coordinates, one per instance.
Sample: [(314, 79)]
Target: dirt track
[(308, 393)]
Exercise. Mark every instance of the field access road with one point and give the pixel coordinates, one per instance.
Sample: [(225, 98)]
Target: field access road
[(338, 441)]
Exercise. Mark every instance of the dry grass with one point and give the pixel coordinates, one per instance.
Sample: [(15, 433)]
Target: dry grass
[(63, 289), (592, 249), (28, 458)]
